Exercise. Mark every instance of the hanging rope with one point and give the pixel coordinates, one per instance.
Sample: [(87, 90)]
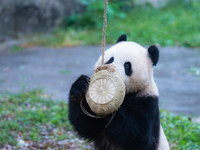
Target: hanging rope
[(104, 29), (96, 116), (110, 68)]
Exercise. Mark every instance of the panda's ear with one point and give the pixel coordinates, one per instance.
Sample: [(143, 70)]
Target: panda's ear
[(153, 54), (123, 37)]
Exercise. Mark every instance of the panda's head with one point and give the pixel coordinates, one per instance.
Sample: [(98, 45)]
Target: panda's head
[(135, 64)]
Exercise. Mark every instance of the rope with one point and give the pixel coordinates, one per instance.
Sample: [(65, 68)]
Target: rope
[(109, 67), (104, 29), (89, 114), (103, 67), (96, 116)]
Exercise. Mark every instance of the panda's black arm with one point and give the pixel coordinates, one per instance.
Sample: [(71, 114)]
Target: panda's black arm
[(86, 126), (136, 125)]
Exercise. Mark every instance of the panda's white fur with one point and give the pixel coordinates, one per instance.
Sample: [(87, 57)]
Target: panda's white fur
[(142, 77), (163, 144)]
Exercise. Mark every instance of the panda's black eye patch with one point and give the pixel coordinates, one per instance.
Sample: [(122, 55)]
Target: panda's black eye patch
[(110, 60), (128, 68)]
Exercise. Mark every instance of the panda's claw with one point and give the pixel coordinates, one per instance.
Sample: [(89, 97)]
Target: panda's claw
[(80, 86)]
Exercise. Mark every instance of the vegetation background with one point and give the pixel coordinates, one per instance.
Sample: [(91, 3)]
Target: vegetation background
[(175, 24)]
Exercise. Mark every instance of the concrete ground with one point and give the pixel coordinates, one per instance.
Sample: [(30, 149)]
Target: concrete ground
[(55, 69)]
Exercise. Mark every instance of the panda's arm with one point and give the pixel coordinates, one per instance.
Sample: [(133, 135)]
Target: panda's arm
[(136, 124), (86, 126)]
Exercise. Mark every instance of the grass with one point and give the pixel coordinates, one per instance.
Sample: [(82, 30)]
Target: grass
[(16, 49), (25, 114), (195, 71), (175, 24), (181, 132)]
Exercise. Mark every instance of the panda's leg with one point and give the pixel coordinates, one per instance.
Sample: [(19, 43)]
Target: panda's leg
[(86, 126), (163, 143)]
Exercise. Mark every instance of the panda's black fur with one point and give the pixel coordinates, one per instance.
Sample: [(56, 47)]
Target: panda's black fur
[(135, 126)]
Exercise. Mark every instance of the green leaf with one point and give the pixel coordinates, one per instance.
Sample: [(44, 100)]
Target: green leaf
[(64, 71)]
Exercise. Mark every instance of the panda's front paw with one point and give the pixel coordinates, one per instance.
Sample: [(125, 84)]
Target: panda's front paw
[(80, 86)]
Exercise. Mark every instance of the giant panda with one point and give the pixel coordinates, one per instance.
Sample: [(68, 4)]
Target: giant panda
[(136, 124)]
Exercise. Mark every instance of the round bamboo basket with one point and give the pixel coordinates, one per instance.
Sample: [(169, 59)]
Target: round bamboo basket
[(106, 92)]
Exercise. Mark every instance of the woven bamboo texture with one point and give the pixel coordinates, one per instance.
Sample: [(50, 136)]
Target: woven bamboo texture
[(106, 92)]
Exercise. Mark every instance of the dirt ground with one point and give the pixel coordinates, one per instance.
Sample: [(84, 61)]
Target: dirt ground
[(55, 69)]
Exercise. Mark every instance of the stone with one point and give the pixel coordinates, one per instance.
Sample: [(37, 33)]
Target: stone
[(21, 143), (23, 17), (196, 120)]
